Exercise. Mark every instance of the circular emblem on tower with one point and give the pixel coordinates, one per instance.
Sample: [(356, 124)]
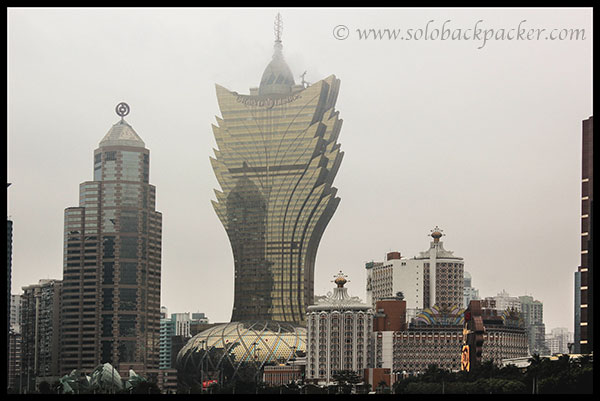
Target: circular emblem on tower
[(122, 109)]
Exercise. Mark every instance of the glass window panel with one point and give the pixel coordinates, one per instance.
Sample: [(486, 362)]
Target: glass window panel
[(128, 272), (107, 325), (126, 351), (107, 298), (127, 325), (129, 247), (108, 246), (127, 299), (108, 273), (129, 221)]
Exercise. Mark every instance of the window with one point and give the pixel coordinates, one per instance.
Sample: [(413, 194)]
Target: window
[(128, 273), (127, 299), (126, 351), (127, 325), (129, 247), (108, 273), (107, 299)]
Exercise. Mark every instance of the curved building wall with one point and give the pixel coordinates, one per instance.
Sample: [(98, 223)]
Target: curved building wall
[(276, 160)]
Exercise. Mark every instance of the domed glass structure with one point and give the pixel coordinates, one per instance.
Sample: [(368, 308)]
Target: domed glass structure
[(225, 351)]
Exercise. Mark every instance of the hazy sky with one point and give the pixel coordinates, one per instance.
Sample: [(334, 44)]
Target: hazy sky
[(483, 140)]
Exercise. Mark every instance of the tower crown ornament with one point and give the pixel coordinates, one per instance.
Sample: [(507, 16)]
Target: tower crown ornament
[(437, 233), (122, 109), (340, 279)]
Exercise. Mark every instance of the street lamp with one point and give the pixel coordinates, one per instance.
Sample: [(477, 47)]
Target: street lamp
[(257, 366), (202, 343)]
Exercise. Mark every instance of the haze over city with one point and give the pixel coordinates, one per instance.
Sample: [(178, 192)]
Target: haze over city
[(484, 142)]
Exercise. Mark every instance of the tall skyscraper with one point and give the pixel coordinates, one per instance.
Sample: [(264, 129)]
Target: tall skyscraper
[(112, 260), (276, 162), (584, 320)]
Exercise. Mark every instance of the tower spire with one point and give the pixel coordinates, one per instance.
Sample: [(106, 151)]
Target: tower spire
[(278, 28)]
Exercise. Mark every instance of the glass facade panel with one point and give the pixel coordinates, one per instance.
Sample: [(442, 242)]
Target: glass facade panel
[(107, 298), (128, 299), (128, 273), (129, 221), (107, 277), (108, 246), (129, 247), (127, 325), (126, 351)]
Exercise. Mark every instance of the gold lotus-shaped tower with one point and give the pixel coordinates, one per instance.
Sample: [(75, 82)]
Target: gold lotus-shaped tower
[(276, 160)]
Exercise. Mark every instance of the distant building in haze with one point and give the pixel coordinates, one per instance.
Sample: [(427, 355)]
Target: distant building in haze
[(533, 316), (558, 340), (469, 293)]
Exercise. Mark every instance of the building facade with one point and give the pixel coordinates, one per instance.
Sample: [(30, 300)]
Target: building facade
[(276, 161), (9, 235), (435, 337), (112, 261), (167, 331), (338, 335), (559, 340), (470, 293), (533, 316), (396, 274), (504, 301), (14, 360), (14, 341), (40, 330), (584, 331), (435, 277)]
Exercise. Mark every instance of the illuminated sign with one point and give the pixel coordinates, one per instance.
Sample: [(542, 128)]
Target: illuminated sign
[(464, 359), (207, 383)]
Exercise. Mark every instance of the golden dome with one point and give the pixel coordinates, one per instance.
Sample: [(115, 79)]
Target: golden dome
[(340, 280)]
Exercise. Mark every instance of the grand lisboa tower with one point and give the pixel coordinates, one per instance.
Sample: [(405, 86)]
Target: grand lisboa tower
[(276, 160)]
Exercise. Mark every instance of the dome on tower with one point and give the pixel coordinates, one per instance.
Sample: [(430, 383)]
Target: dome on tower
[(277, 79), (122, 134)]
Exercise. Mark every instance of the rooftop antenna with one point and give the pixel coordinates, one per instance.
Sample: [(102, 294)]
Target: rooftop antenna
[(304, 83), (278, 27)]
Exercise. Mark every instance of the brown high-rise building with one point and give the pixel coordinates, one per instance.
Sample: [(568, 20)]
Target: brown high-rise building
[(584, 292), (112, 261)]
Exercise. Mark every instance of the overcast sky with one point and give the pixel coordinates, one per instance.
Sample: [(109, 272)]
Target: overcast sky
[(483, 140)]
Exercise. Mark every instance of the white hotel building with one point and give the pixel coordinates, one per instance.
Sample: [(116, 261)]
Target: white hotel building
[(338, 335)]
